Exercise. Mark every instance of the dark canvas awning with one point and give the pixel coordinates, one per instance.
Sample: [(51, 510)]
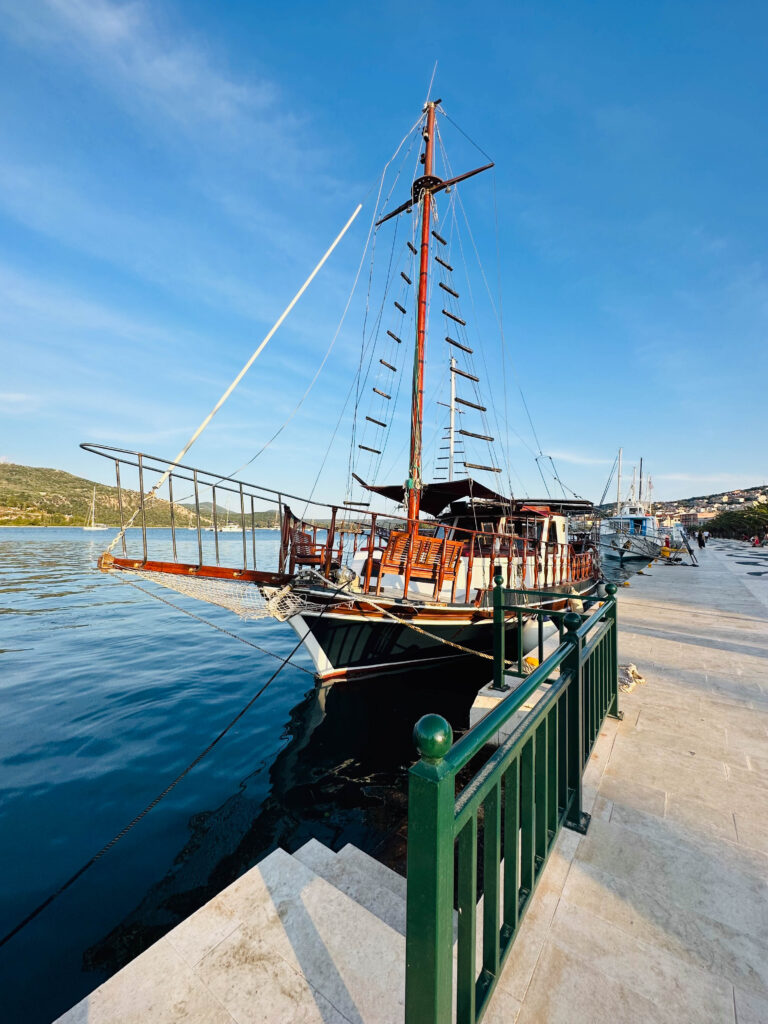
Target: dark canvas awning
[(436, 496)]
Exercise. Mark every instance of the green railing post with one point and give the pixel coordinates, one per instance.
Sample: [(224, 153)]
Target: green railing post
[(576, 818), (429, 910), (613, 706), (499, 637)]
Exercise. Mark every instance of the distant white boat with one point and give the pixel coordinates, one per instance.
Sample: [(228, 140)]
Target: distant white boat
[(633, 536), (227, 527), (90, 523)]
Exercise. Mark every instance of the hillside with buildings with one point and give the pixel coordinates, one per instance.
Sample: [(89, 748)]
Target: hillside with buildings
[(705, 507)]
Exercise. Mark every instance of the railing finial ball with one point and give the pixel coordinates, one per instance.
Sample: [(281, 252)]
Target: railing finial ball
[(433, 737), (571, 621), (611, 589)]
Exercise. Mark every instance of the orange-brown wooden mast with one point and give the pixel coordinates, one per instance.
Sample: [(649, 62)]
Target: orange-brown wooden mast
[(421, 192), (417, 402)]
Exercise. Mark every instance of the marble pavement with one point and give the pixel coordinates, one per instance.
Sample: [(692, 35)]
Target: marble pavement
[(659, 913)]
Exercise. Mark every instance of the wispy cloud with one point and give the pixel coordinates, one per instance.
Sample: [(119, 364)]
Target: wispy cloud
[(35, 303), (14, 396), (17, 403), (580, 460), (703, 478), (125, 44), (169, 77), (165, 250)]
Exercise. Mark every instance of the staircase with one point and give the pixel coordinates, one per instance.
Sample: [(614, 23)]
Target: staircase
[(313, 936)]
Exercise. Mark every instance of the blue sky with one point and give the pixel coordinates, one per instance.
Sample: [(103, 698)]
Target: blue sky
[(170, 173)]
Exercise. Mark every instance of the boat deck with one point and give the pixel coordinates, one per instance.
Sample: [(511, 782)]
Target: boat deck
[(659, 913)]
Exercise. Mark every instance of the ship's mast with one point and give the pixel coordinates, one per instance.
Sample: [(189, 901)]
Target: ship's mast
[(417, 402), (618, 486), (422, 191)]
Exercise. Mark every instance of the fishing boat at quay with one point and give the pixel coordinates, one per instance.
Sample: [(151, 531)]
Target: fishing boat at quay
[(368, 590), (633, 537)]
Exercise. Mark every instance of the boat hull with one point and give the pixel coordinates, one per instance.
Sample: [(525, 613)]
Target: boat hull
[(629, 550), (360, 640)]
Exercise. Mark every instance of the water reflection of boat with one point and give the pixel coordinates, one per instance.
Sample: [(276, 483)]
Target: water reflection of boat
[(341, 778)]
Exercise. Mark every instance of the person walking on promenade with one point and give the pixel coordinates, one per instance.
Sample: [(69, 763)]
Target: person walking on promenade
[(700, 539)]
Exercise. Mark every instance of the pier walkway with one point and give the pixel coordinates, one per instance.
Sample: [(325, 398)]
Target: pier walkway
[(659, 913)]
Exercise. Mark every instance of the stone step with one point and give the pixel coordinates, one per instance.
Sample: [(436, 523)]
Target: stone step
[(376, 871), (357, 883), (279, 944)]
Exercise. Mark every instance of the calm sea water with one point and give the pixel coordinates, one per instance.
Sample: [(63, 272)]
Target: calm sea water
[(106, 696)]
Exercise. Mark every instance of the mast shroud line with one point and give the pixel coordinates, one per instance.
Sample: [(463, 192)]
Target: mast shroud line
[(247, 366)]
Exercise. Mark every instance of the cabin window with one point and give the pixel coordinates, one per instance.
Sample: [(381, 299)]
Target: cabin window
[(637, 526)]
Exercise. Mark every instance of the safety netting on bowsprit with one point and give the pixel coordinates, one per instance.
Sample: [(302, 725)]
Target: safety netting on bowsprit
[(246, 599)]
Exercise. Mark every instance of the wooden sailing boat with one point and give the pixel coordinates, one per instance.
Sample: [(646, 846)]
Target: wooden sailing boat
[(370, 590)]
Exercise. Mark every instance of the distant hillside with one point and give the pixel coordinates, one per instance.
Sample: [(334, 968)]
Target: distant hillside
[(33, 496)]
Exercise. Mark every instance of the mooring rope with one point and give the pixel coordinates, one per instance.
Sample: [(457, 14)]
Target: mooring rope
[(150, 806), (418, 629), (207, 622), (172, 785)]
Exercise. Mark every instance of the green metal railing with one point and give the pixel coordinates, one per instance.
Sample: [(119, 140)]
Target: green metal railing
[(516, 802)]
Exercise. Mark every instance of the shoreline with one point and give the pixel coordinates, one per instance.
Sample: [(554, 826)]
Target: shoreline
[(179, 529)]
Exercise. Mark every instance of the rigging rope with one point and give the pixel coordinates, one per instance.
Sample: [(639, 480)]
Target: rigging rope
[(497, 314), (608, 482), (149, 807), (172, 785), (362, 379), (419, 629), (346, 307), (242, 373), (213, 625), (498, 311)]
